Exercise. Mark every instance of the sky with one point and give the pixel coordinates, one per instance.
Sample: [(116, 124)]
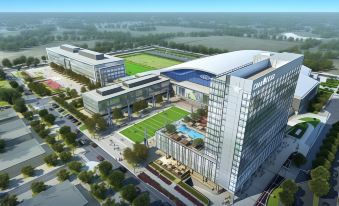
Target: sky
[(169, 5)]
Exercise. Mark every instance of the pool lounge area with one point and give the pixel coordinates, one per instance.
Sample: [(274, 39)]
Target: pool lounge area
[(189, 132)]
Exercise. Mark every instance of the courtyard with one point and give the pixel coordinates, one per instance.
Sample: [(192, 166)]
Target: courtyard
[(47, 73), (136, 132)]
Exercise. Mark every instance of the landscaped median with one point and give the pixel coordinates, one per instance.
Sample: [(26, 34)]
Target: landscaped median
[(187, 191)]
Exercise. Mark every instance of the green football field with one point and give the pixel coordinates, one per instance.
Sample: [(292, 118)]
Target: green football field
[(137, 63), (133, 68), (152, 124)]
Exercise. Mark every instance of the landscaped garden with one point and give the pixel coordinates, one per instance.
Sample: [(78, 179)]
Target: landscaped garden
[(137, 63), (136, 132), (299, 129)]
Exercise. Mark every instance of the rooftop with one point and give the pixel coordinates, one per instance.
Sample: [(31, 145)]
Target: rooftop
[(84, 55), (19, 153), (305, 83), (61, 194), (124, 87)]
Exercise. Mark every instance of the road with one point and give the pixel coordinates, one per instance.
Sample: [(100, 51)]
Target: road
[(90, 154)]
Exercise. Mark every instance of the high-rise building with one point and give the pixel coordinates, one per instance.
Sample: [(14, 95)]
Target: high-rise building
[(248, 109)]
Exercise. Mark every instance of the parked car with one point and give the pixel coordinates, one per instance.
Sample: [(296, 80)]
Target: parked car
[(100, 158), (50, 109), (94, 145), (122, 169)]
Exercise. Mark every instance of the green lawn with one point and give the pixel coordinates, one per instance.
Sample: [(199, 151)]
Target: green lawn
[(313, 121), (152, 124), (150, 61), (300, 126), (4, 103), (133, 68), (4, 84), (194, 192), (273, 200)]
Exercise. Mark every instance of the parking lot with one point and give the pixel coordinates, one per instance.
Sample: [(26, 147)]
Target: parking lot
[(47, 72)]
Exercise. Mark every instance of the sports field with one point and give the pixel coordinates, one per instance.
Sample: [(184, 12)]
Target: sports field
[(153, 123), (137, 63)]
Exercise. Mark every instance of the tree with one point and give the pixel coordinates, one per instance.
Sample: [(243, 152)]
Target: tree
[(65, 156), (117, 113), (4, 181), (187, 119), (2, 145), (197, 142), (51, 160), (75, 166), (29, 115), (70, 139), (100, 122), (170, 128), (2, 74), (158, 98), (115, 179), (195, 116), (27, 171), (29, 61), (38, 187), (320, 173), (141, 151), (128, 192), (13, 84), (73, 93), (64, 130), (49, 118), (299, 159), (287, 195), (36, 61), (105, 168), (6, 63), (319, 187), (43, 113), (111, 202), (86, 176), (142, 200), (58, 147), (9, 200), (99, 190), (83, 89), (50, 140), (43, 58), (62, 175), (20, 105)]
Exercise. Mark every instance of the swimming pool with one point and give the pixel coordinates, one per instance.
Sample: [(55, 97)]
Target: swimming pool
[(190, 132)]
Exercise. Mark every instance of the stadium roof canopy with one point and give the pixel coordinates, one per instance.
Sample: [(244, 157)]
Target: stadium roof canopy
[(220, 63)]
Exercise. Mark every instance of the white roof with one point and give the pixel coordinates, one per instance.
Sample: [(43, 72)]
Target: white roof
[(305, 83), (219, 63)]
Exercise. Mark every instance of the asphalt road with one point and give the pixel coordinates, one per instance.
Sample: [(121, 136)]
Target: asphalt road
[(90, 154)]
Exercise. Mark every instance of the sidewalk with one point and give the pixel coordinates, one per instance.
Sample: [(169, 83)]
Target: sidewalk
[(106, 144)]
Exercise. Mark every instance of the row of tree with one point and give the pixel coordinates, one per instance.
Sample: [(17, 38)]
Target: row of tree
[(22, 60), (95, 124), (320, 174), (39, 88), (75, 76)]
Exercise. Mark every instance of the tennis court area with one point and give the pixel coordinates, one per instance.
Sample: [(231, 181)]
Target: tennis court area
[(152, 124)]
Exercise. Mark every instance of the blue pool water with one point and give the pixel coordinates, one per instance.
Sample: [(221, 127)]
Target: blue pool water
[(190, 132)]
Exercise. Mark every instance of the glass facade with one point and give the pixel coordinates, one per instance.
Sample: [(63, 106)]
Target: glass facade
[(103, 73), (246, 122)]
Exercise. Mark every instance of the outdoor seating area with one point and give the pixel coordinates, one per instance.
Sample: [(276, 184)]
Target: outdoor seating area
[(173, 166)]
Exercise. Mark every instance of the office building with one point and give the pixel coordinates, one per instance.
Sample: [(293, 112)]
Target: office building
[(123, 95), (249, 97), (98, 67)]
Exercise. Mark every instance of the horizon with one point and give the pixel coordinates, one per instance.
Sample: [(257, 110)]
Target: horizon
[(143, 6)]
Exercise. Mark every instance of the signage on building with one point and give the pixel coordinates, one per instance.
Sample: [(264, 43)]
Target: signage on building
[(263, 82)]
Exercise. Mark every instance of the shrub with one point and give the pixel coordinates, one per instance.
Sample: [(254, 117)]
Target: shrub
[(27, 171), (128, 192), (38, 187), (4, 180), (63, 175), (75, 166)]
